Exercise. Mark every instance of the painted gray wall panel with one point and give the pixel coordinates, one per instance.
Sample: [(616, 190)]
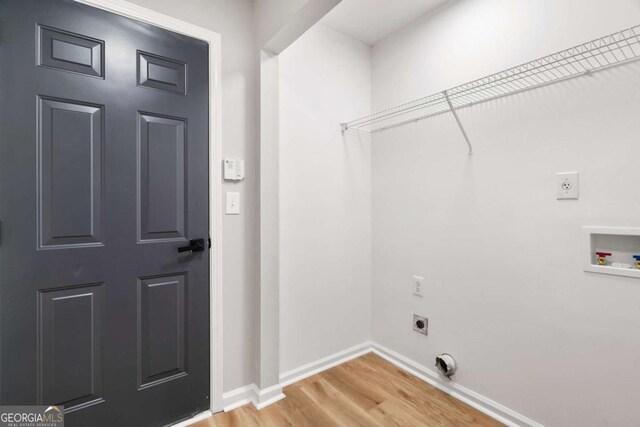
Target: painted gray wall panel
[(71, 346), (161, 329), (70, 150), (162, 153), (70, 52)]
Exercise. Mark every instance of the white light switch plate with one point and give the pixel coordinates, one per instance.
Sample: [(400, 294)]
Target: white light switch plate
[(233, 203), (417, 286), (567, 185)]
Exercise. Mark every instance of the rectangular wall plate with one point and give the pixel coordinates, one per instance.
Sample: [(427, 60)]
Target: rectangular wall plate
[(233, 203), (567, 185), (420, 324), (417, 286)]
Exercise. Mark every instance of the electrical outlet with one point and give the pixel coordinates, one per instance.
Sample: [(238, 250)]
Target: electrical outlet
[(420, 324), (567, 185), (417, 286)]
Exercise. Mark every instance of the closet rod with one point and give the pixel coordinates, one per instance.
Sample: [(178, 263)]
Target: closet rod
[(611, 50)]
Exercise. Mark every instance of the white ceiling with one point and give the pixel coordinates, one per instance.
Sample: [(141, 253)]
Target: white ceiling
[(371, 20)]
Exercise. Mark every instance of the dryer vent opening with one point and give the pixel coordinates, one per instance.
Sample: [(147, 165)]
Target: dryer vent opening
[(446, 364)]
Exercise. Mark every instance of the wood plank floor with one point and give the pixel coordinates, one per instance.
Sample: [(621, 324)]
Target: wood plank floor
[(367, 391)]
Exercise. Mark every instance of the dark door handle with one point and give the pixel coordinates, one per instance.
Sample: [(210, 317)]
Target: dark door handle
[(196, 245)]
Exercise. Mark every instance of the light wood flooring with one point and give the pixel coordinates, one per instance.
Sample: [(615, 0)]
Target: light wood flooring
[(367, 391)]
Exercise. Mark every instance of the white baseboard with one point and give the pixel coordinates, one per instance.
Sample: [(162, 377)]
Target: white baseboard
[(201, 416), (239, 397), (325, 363), (252, 394), (263, 398), (470, 397), (268, 396)]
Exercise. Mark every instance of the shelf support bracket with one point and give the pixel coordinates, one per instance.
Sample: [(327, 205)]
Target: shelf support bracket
[(455, 115)]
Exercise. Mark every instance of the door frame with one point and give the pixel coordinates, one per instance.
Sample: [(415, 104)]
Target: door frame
[(214, 40)]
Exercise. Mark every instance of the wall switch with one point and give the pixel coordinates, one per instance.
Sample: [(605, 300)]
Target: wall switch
[(420, 324), (567, 185), (233, 203), (417, 286)]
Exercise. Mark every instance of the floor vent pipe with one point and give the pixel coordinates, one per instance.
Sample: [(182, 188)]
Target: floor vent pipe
[(446, 364)]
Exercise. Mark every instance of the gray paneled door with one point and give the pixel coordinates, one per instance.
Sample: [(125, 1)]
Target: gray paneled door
[(103, 177)]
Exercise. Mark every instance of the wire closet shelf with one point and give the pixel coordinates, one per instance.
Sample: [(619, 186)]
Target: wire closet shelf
[(614, 49)]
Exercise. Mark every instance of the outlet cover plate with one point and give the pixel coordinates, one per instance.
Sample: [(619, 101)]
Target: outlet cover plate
[(419, 321), (417, 286), (567, 185)]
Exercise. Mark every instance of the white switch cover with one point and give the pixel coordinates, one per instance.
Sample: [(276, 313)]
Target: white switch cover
[(567, 185), (233, 203), (417, 286)]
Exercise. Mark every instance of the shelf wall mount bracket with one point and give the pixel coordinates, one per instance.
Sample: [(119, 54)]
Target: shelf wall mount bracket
[(455, 115)]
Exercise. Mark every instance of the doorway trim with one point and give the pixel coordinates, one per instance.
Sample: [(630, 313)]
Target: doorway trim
[(139, 13)]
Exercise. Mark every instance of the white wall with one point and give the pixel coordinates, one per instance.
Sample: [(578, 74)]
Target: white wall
[(280, 22), (505, 290), (272, 15), (325, 198), (269, 375), (234, 20)]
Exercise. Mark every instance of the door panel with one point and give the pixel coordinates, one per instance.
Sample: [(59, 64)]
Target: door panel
[(162, 146), (70, 172), (70, 349), (71, 52), (103, 175), (161, 329), (161, 73)]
